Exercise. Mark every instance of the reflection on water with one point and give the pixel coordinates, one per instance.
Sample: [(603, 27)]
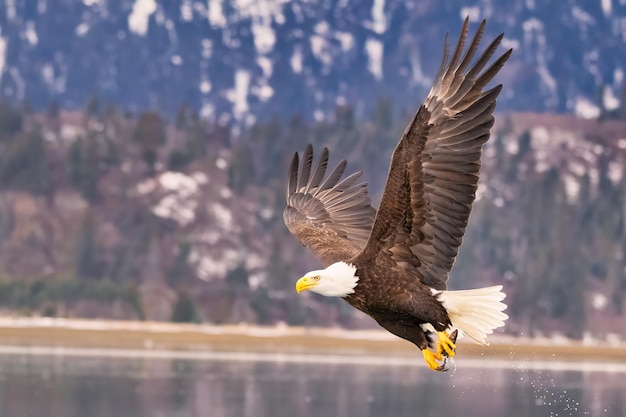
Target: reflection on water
[(36, 386)]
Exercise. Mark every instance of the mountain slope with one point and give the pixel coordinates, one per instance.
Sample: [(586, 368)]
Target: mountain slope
[(248, 59)]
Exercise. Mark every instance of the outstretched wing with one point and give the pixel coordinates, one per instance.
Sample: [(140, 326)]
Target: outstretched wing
[(434, 169), (330, 216)]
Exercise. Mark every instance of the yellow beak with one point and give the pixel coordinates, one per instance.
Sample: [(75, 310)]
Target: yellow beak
[(304, 283)]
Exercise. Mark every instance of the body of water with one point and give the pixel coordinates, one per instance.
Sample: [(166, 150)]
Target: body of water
[(82, 386)]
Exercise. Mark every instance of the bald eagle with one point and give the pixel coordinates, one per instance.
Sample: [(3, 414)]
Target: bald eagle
[(393, 264)]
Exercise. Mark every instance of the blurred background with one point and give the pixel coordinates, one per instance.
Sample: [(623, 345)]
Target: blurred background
[(144, 147)]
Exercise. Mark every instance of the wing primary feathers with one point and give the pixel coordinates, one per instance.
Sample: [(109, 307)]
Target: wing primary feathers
[(329, 215), (461, 85), (456, 55), (493, 69), (334, 177), (469, 54), (344, 196), (435, 167), (307, 162), (320, 171), (348, 181), (292, 183), (485, 57)]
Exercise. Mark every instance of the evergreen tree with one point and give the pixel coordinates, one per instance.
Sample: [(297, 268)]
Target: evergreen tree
[(150, 134), (11, 121), (83, 165), (383, 114), (87, 265), (92, 109), (185, 310), (25, 164), (182, 117)]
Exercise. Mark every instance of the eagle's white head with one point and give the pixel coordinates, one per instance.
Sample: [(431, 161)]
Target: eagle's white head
[(338, 280)]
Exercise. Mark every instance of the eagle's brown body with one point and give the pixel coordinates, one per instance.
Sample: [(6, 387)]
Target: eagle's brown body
[(404, 252), (400, 306)]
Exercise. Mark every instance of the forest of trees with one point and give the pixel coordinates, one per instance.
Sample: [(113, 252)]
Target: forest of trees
[(80, 235)]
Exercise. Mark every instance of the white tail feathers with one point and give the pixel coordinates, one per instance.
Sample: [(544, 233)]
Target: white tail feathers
[(475, 312)]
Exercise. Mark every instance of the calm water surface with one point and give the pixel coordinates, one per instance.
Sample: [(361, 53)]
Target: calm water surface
[(71, 386)]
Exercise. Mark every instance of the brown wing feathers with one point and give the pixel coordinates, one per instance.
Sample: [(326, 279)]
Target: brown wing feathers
[(332, 218), (438, 157), (430, 187), (451, 157)]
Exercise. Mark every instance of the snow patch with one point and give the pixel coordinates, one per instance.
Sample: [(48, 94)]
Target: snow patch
[(599, 301), (615, 171), (296, 61), (610, 101), (207, 110), (586, 109), (216, 14), (221, 163), (205, 87), (42, 6), (378, 16), (18, 80), (264, 36), (618, 76), (321, 28), (346, 40), (186, 11), (263, 91), (207, 48), (607, 7), (319, 47), (3, 53), (261, 13), (226, 193), (30, 33), (572, 187), (10, 10), (223, 216), (176, 60), (473, 12), (179, 204), (82, 29), (509, 43), (200, 177), (417, 74), (266, 65), (547, 78), (584, 18), (139, 18), (239, 94), (374, 50), (47, 73)]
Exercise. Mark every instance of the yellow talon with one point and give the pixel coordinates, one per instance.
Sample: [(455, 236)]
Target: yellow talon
[(431, 359), (445, 344)]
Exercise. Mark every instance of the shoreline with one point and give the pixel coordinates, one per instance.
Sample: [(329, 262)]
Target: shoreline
[(70, 336)]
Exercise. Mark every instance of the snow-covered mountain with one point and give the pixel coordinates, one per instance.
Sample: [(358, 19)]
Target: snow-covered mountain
[(247, 59)]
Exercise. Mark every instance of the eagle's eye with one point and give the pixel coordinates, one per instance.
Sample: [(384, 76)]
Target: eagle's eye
[(316, 277)]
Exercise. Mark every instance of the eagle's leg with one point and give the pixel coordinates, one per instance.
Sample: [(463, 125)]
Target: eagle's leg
[(446, 343), (415, 334)]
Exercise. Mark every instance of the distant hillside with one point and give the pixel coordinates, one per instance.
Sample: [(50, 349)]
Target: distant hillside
[(246, 60), (119, 216)]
